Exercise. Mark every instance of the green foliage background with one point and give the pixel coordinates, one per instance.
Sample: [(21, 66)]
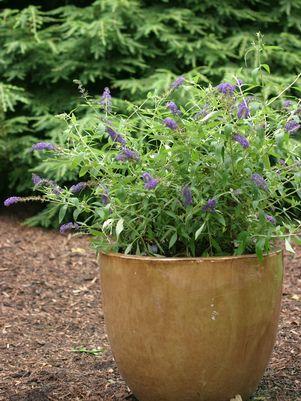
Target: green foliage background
[(132, 46)]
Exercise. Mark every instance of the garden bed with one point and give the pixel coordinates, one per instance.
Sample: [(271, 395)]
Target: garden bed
[(54, 345)]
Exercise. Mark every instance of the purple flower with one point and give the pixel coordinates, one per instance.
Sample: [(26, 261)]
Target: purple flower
[(106, 100), (287, 104), (226, 88), (259, 181), (173, 108), (241, 140), (56, 190), (210, 206), (178, 82), (78, 187), (105, 199), (243, 110), (149, 181), (105, 196), (37, 180), (127, 154), (12, 200), (240, 82), (187, 195), (292, 126), (43, 146), (270, 219), (115, 136), (170, 123), (68, 227), (282, 162)]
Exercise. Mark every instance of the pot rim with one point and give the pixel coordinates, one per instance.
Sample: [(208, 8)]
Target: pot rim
[(191, 259)]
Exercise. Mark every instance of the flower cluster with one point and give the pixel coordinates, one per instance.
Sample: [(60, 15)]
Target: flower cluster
[(243, 110), (127, 154), (241, 140), (149, 181), (43, 146), (178, 82), (210, 206), (106, 100), (173, 108), (226, 88), (12, 200), (259, 181), (292, 126), (76, 188), (170, 123), (68, 227), (115, 136)]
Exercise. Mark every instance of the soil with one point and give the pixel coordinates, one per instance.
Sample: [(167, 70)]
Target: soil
[(53, 343)]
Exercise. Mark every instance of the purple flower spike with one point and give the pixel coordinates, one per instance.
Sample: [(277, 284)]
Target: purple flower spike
[(127, 154), (43, 146), (287, 104), (106, 100), (187, 195), (149, 181), (78, 187), (12, 200), (178, 82), (115, 136), (151, 184), (226, 88), (243, 110), (68, 227), (270, 219), (210, 206), (292, 126), (173, 108), (259, 181), (37, 180), (56, 190), (105, 196), (170, 123), (241, 140)]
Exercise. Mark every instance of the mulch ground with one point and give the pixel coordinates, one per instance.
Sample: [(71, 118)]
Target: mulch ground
[(51, 307)]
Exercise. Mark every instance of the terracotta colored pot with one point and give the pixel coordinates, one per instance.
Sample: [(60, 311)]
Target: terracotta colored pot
[(191, 329)]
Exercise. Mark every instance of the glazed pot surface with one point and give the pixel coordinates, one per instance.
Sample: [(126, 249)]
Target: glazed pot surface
[(199, 329)]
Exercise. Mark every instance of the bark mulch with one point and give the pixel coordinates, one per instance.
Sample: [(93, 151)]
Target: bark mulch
[(53, 344)]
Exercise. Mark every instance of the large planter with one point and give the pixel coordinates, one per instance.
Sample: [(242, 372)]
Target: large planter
[(191, 329)]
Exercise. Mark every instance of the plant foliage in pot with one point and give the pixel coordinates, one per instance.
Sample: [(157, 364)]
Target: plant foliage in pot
[(185, 197)]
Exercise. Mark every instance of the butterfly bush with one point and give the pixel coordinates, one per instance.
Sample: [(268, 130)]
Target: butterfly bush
[(220, 177)]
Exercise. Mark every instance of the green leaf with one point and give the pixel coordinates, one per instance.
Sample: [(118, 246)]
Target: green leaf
[(119, 227), (173, 240), (266, 67), (76, 213), (62, 213), (259, 248), (198, 232), (288, 246), (128, 249)]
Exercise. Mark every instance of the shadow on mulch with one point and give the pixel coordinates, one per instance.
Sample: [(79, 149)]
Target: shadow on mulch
[(51, 306)]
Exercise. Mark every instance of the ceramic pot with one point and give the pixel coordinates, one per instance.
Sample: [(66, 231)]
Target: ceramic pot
[(191, 329)]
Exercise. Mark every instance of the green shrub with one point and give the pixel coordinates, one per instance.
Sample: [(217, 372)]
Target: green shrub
[(206, 176)]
